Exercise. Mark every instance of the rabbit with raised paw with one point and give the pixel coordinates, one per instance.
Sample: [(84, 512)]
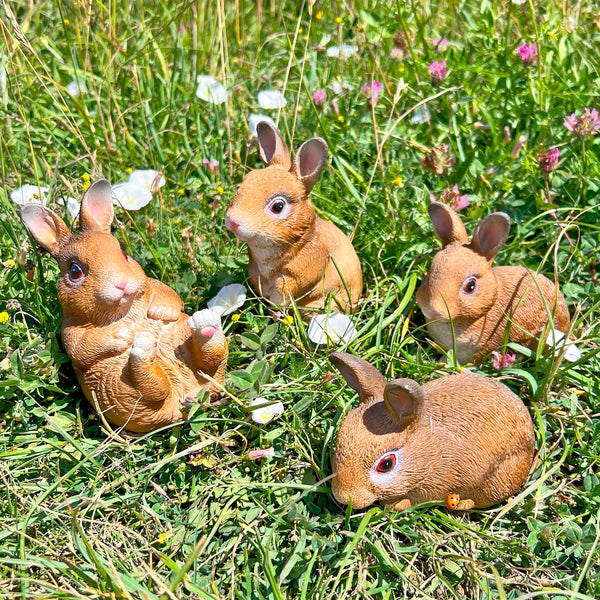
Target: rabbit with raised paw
[(464, 436), (136, 354), (293, 254), (462, 292)]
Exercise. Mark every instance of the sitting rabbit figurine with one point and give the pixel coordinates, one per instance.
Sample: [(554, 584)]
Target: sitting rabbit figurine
[(407, 443), (293, 253), (482, 302), (133, 349)]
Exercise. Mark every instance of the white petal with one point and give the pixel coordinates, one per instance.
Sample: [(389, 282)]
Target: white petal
[(147, 178), (29, 194), (271, 99), (335, 327), (254, 120), (343, 51), (557, 340), (71, 204), (228, 299), (75, 87), (420, 115), (131, 196), (210, 90), (266, 413)]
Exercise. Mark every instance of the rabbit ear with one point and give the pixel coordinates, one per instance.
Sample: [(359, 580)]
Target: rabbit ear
[(360, 375), (96, 212), (310, 161), (447, 225), (490, 234), (271, 147), (403, 399), (47, 228)]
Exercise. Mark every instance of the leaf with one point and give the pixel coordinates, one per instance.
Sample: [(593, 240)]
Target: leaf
[(240, 379)]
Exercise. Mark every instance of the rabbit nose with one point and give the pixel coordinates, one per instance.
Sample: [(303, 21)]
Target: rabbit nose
[(231, 224)]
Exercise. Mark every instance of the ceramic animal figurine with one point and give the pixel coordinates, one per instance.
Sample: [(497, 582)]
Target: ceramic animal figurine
[(483, 302), (136, 354), (464, 436), (293, 253)]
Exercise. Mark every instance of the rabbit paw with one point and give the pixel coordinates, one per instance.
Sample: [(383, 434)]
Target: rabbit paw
[(205, 322), (164, 313), (144, 346)]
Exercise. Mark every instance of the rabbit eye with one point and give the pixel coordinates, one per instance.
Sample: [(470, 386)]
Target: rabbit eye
[(469, 286), (278, 207), (76, 272), (386, 463)]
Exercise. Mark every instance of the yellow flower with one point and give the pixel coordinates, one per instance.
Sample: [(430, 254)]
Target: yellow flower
[(10, 263), (181, 191), (319, 15), (86, 185), (338, 20), (235, 317), (220, 190), (3, 317), (163, 537), (66, 21), (341, 118), (128, 170), (398, 181), (288, 320), (85, 177), (236, 60)]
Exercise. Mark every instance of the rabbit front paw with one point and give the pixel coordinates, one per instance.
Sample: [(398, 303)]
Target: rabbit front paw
[(144, 347), (205, 322), (164, 313)]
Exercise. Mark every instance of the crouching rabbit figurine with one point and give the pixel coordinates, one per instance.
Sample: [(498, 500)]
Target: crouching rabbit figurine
[(136, 354), (461, 435), (294, 254), (463, 292)]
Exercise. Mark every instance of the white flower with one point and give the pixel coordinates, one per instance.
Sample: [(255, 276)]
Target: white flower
[(557, 340), (29, 194), (420, 115), (75, 88), (228, 299), (254, 120), (271, 99), (265, 413), (343, 51), (71, 204), (519, 1), (147, 178), (334, 327), (211, 90), (131, 196)]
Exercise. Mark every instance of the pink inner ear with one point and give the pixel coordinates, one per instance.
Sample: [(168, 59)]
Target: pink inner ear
[(309, 161)]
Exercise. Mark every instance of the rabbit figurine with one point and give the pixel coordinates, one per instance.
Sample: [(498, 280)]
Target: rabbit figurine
[(136, 354), (293, 254), (463, 292), (461, 435)]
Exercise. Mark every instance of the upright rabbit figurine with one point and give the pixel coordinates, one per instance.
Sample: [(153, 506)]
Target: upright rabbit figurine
[(463, 292), (293, 253), (407, 443), (132, 347)]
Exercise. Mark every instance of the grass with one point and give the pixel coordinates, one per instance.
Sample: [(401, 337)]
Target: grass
[(182, 513)]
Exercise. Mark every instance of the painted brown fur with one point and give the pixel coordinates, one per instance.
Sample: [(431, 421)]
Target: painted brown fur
[(131, 345), (407, 443), (482, 301), (293, 253)]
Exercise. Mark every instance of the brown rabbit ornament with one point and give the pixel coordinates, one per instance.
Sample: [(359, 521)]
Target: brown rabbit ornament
[(293, 254), (464, 436), (132, 347), (463, 292)]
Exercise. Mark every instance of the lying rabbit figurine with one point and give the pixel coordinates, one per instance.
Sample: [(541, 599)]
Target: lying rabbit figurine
[(293, 253), (407, 443), (482, 301), (131, 345)]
